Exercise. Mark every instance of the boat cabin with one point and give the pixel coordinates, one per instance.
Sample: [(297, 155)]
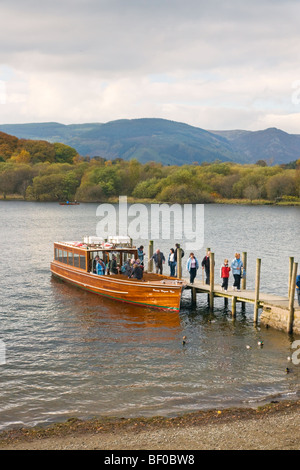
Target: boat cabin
[(81, 255)]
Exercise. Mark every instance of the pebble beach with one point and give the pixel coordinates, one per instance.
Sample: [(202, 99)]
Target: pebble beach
[(275, 426)]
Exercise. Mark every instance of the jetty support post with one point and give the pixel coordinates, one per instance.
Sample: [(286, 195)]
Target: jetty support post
[(291, 263), (211, 280), (233, 306), (150, 254), (179, 262), (292, 299), (257, 284), (193, 290)]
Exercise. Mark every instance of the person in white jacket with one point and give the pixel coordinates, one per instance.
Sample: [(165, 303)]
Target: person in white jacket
[(192, 266)]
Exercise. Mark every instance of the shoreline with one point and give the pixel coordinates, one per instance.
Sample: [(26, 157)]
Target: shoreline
[(131, 200), (273, 426)]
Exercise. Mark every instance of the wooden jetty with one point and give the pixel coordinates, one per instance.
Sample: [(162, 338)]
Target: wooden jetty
[(273, 305), (278, 311)]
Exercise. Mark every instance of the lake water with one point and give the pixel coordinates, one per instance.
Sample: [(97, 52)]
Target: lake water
[(72, 353)]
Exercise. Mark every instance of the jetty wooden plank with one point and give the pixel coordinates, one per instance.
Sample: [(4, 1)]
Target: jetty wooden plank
[(244, 295)]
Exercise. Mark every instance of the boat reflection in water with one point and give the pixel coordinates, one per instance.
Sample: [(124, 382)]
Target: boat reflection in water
[(104, 319)]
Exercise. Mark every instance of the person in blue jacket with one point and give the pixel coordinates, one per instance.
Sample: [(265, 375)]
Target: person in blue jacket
[(298, 288), (100, 267), (192, 266), (236, 267), (141, 254)]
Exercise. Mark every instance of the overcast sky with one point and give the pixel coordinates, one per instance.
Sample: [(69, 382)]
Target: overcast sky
[(213, 64)]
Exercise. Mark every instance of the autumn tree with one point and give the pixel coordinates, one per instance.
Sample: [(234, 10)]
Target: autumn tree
[(7, 181), (283, 184), (64, 153)]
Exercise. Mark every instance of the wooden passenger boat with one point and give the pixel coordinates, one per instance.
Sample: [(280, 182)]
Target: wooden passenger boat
[(73, 263)]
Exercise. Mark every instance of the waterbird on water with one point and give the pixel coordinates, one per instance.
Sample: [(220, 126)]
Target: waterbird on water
[(183, 340)]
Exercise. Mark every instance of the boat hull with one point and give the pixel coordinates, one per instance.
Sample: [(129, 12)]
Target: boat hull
[(162, 294)]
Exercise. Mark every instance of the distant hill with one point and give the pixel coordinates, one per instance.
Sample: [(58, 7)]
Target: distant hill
[(164, 141), (272, 145)]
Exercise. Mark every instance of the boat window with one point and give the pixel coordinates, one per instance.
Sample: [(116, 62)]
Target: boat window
[(65, 257), (76, 260), (127, 256), (56, 254), (82, 262), (60, 255), (118, 256), (70, 258)]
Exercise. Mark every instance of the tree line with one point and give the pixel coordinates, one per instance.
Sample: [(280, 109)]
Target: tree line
[(42, 171)]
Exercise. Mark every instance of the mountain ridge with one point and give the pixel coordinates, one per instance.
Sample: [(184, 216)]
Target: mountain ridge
[(165, 141)]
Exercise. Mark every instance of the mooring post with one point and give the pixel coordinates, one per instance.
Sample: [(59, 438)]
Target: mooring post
[(211, 280), (257, 284), (193, 295), (179, 262), (150, 254), (291, 263), (292, 299), (233, 306)]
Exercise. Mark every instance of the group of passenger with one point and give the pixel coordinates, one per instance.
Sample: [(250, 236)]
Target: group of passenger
[(236, 267), (102, 268), (159, 260), (193, 265), (135, 268), (131, 268)]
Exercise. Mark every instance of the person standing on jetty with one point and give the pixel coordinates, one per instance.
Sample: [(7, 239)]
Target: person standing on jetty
[(224, 273), (172, 262), (206, 265), (159, 260), (298, 288), (192, 266), (236, 267)]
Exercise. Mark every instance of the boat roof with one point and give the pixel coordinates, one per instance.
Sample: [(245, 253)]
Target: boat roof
[(97, 244)]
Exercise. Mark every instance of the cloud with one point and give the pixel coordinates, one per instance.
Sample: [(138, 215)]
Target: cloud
[(211, 64)]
